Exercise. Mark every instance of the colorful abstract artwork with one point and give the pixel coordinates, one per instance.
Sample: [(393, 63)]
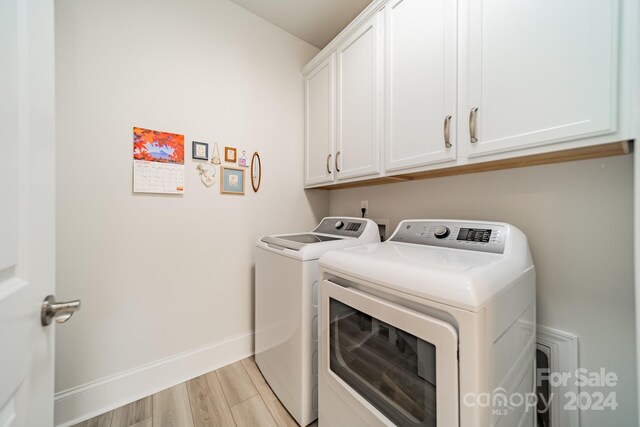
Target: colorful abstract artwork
[(155, 146)]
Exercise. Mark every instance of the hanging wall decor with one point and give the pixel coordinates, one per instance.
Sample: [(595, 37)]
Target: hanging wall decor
[(242, 161), (207, 173), (215, 157), (256, 172), (199, 150), (229, 154), (158, 162), (231, 180)]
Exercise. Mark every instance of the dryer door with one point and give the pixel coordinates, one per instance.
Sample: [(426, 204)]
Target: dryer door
[(399, 365)]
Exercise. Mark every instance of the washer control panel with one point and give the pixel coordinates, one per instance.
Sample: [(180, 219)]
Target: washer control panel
[(351, 227), (473, 236)]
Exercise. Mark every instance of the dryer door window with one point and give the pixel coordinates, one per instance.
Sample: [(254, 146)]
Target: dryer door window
[(392, 369), (401, 365)]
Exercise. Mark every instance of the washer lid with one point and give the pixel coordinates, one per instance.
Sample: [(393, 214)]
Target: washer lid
[(298, 241), (457, 277), (332, 233)]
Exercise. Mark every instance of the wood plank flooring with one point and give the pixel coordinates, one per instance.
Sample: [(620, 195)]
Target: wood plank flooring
[(235, 395)]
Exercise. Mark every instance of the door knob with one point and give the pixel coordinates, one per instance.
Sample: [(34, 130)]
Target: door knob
[(60, 311)]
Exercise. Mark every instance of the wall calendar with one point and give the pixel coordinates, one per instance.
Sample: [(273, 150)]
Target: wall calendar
[(158, 162)]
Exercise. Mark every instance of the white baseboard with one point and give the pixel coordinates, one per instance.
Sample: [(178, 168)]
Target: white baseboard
[(81, 403)]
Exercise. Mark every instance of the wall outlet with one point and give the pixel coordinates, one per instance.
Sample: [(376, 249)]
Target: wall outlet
[(364, 204)]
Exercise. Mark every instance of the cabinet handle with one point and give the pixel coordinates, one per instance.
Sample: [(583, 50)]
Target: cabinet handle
[(472, 124), (447, 123), (328, 163), (337, 159)]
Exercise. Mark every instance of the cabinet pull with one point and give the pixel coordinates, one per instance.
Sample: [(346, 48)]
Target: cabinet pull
[(328, 163), (337, 160), (447, 123), (472, 124)]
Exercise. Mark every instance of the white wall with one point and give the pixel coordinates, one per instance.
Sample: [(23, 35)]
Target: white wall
[(159, 276), (578, 217)]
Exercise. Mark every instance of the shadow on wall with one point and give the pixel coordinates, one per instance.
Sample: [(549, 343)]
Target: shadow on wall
[(318, 202)]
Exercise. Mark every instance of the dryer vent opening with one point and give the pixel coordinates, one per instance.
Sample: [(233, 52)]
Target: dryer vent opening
[(542, 385)]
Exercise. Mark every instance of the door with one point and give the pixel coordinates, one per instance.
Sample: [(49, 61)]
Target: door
[(400, 364), (358, 100), (539, 72), (420, 82), (319, 95), (27, 216)]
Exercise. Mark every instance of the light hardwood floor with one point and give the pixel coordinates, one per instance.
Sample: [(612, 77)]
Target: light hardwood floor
[(235, 395)]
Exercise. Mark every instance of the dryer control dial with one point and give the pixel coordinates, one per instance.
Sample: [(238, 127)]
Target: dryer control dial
[(441, 232), (339, 225)]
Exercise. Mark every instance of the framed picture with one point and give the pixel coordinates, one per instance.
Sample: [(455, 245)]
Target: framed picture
[(232, 180), (200, 150), (229, 154), (242, 160)]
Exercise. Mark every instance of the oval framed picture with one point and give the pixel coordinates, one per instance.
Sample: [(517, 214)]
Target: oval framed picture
[(256, 171)]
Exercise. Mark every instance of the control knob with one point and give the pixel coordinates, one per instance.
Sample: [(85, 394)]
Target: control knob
[(441, 232), (339, 225)]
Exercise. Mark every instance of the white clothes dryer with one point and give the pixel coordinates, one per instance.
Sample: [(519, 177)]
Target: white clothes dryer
[(286, 308), (434, 327)]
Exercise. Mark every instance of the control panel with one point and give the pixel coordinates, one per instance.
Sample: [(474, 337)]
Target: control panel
[(341, 226), (482, 237)]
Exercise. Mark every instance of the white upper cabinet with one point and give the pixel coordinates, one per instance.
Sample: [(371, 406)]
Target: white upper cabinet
[(422, 85), (538, 72), (420, 82), (320, 123), (358, 103)]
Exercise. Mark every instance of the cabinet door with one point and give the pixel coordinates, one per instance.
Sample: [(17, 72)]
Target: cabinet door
[(420, 82), (358, 136), (540, 72), (319, 123)]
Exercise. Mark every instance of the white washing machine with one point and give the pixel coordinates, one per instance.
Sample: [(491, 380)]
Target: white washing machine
[(434, 327), (286, 308)]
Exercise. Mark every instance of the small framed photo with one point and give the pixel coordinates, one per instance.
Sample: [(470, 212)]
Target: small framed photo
[(200, 150), (229, 154), (232, 180)]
